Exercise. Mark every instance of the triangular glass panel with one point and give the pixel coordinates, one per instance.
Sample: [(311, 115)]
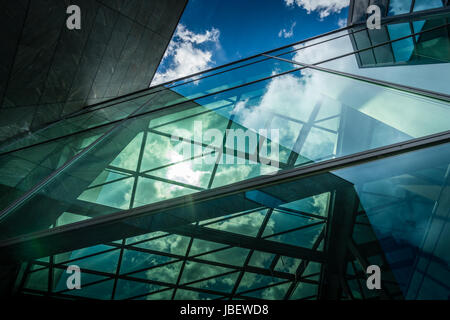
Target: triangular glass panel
[(233, 256), (167, 273), (101, 291), (80, 253), (247, 224), (174, 244), (133, 260), (317, 204), (202, 246), (271, 293), (331, 124), (194, 271), (287, 264), (283, 221), (114, 195), (60, 277), (253, 281), (261, 259), (129, 156), (104, 262), (222, 283), (37, 280), (108, 175), (196, 172), (319, 145), (234, 172), (302, 238), (68, 217), (126, 289), (312, 268), (200, 123), (304, 290), (162, 151), (132, 240)]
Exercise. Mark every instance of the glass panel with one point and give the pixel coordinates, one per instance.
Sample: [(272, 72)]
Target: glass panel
[(402, 211), (271, 293), (222, 283), (173, 244), (427, 4), (194, 271), (167, 273), (364, 116), (61, 276), (248, 224), (133, 260), (126, 289), (251, 281), (359, 10), (399, 7), (304, 290), (261, 259), (102, 290), (287, 264), (23, 169)]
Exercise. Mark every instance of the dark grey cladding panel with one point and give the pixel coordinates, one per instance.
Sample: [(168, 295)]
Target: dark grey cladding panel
[(358, 9), (47, 71)]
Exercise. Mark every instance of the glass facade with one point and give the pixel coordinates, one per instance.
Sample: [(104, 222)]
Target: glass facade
[(280, 176)]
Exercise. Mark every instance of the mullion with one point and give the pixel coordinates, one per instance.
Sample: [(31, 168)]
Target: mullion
[(262, 227), (303, 136), (220, 153), (144, 175), (138, 169), (300, 214), (292, 230), (119, 263), (180, 274), (302, 267)]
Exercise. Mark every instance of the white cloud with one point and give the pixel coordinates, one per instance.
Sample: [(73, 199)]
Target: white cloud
[(188, 53), (287, 33), (342, 23), (323, 7)]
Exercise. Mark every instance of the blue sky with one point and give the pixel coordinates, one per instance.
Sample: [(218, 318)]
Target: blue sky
[(215, 32)]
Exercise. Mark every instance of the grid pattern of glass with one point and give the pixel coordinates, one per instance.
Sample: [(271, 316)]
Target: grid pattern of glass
[(280, 176)]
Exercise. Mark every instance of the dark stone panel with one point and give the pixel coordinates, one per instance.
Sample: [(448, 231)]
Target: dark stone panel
[(15, 121), (51, 71), (46, 113), (35, 52), (14, 14), (165, 13)]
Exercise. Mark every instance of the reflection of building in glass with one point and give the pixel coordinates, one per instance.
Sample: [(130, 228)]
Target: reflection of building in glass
[(424, 48), (363, 178)]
